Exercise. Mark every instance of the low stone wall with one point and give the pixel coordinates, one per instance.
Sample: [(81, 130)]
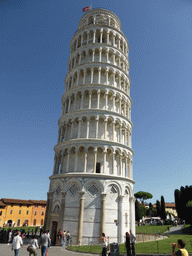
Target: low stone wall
[(148, 237)]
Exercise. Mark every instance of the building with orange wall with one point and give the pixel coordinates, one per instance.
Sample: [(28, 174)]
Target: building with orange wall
[(17, 212)]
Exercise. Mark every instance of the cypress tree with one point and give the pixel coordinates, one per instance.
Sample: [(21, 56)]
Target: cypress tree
[(163, 214)]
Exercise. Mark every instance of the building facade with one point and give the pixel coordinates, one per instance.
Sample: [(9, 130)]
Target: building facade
[(91, 189), (17, 212)]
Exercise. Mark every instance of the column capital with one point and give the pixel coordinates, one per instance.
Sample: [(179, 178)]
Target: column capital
[(63, 194), (82, 193), (103, 195), (132, 199), (121, 198), (98, 91)]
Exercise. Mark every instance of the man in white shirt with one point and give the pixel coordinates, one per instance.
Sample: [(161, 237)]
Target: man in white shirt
[(17, 243)]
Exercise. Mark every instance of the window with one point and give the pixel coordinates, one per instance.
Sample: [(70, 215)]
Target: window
[(42, 213), (98, 167), (43, 206), (19, 211), (36, 206), (34, 222), (0, 213), (41, 222), (11, 205), (27, 212), (11, 211), (20, 205), (35, 213)]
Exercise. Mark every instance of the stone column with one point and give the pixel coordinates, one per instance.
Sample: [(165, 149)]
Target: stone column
[(132, 213), (120, 165), (126, 167), (113, 40), (130, 169), (76, 159), (114, 58), (85, 164), (107, 76), (94, 32), (120, 105), (129, 143), (107, 37), (48, 210), (84, 73), (93, 56), (113, 131), (105, 129), (82, 98), (107, 55), (113, 163), (62, 158), (113, 102), (78, 74), (100, 53), (99, 75), (118, 43), (79, 58), (114, 79), (66, 130), (81, 213), (91, 75), (106, 100), (98, 98), (120, 133), (69, 106), (79, 129), (95, 160), (68, 155), (90, 99), (87, 129), (72, 129), (97, 127), (123, 47), (121, 231), (75, 102), (103, 200), (101, 36), (87, 38), (81, 40), (61, 137), (104, 160)]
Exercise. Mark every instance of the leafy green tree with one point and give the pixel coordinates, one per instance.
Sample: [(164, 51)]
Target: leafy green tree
[(163, 214), (158, 207), (143, 195), (138, 215)]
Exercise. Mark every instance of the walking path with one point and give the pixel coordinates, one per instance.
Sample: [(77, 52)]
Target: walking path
[(5, 250), (174, 230)]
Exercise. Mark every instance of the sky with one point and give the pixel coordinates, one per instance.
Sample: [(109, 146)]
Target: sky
[(34, 51)]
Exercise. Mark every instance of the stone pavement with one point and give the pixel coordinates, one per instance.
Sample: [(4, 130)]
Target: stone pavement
[(5, 250), (174, 230)]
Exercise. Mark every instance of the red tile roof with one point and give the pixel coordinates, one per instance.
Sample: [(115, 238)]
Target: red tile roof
[(20, 201)]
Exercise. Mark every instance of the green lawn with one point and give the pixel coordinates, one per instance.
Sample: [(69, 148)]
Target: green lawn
[(162, 246), (151, 229)]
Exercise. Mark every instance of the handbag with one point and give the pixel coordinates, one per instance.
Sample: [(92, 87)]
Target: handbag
[(28, 248)]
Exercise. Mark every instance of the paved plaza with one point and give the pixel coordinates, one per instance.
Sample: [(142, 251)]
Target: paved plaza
[(5, 250)]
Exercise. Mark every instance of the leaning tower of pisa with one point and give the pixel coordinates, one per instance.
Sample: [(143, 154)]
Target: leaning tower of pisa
[(91, 189)]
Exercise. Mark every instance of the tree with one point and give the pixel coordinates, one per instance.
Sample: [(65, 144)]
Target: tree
[(163, 214), (138, 215), (158, 207), (143, 195), (183, 203)]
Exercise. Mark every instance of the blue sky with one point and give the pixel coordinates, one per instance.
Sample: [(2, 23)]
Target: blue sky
[(34, 45)]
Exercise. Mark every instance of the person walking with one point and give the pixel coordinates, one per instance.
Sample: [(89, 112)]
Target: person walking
[(59, 236), (44, 242), (10, 237), (33, 246), (182, 251), (64, 236), (132, 240), (127, 244), (17, 243), (68, 236), (104, 244)]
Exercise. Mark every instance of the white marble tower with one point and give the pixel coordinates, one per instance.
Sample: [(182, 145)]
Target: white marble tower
[(91, 189)]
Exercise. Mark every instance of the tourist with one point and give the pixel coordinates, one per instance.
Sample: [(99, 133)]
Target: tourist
[(64, 235), (17, 243), (33, 246), (59, 236), (132, 240), (10, 236), (104, 244), (68, 238), (44, 243), (182, 251), (127, 244)]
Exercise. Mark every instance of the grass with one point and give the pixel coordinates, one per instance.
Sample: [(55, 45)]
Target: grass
[(148, 229), (160, 247)]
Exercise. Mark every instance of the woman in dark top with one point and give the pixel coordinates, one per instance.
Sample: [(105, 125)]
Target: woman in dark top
[(127, 244)]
